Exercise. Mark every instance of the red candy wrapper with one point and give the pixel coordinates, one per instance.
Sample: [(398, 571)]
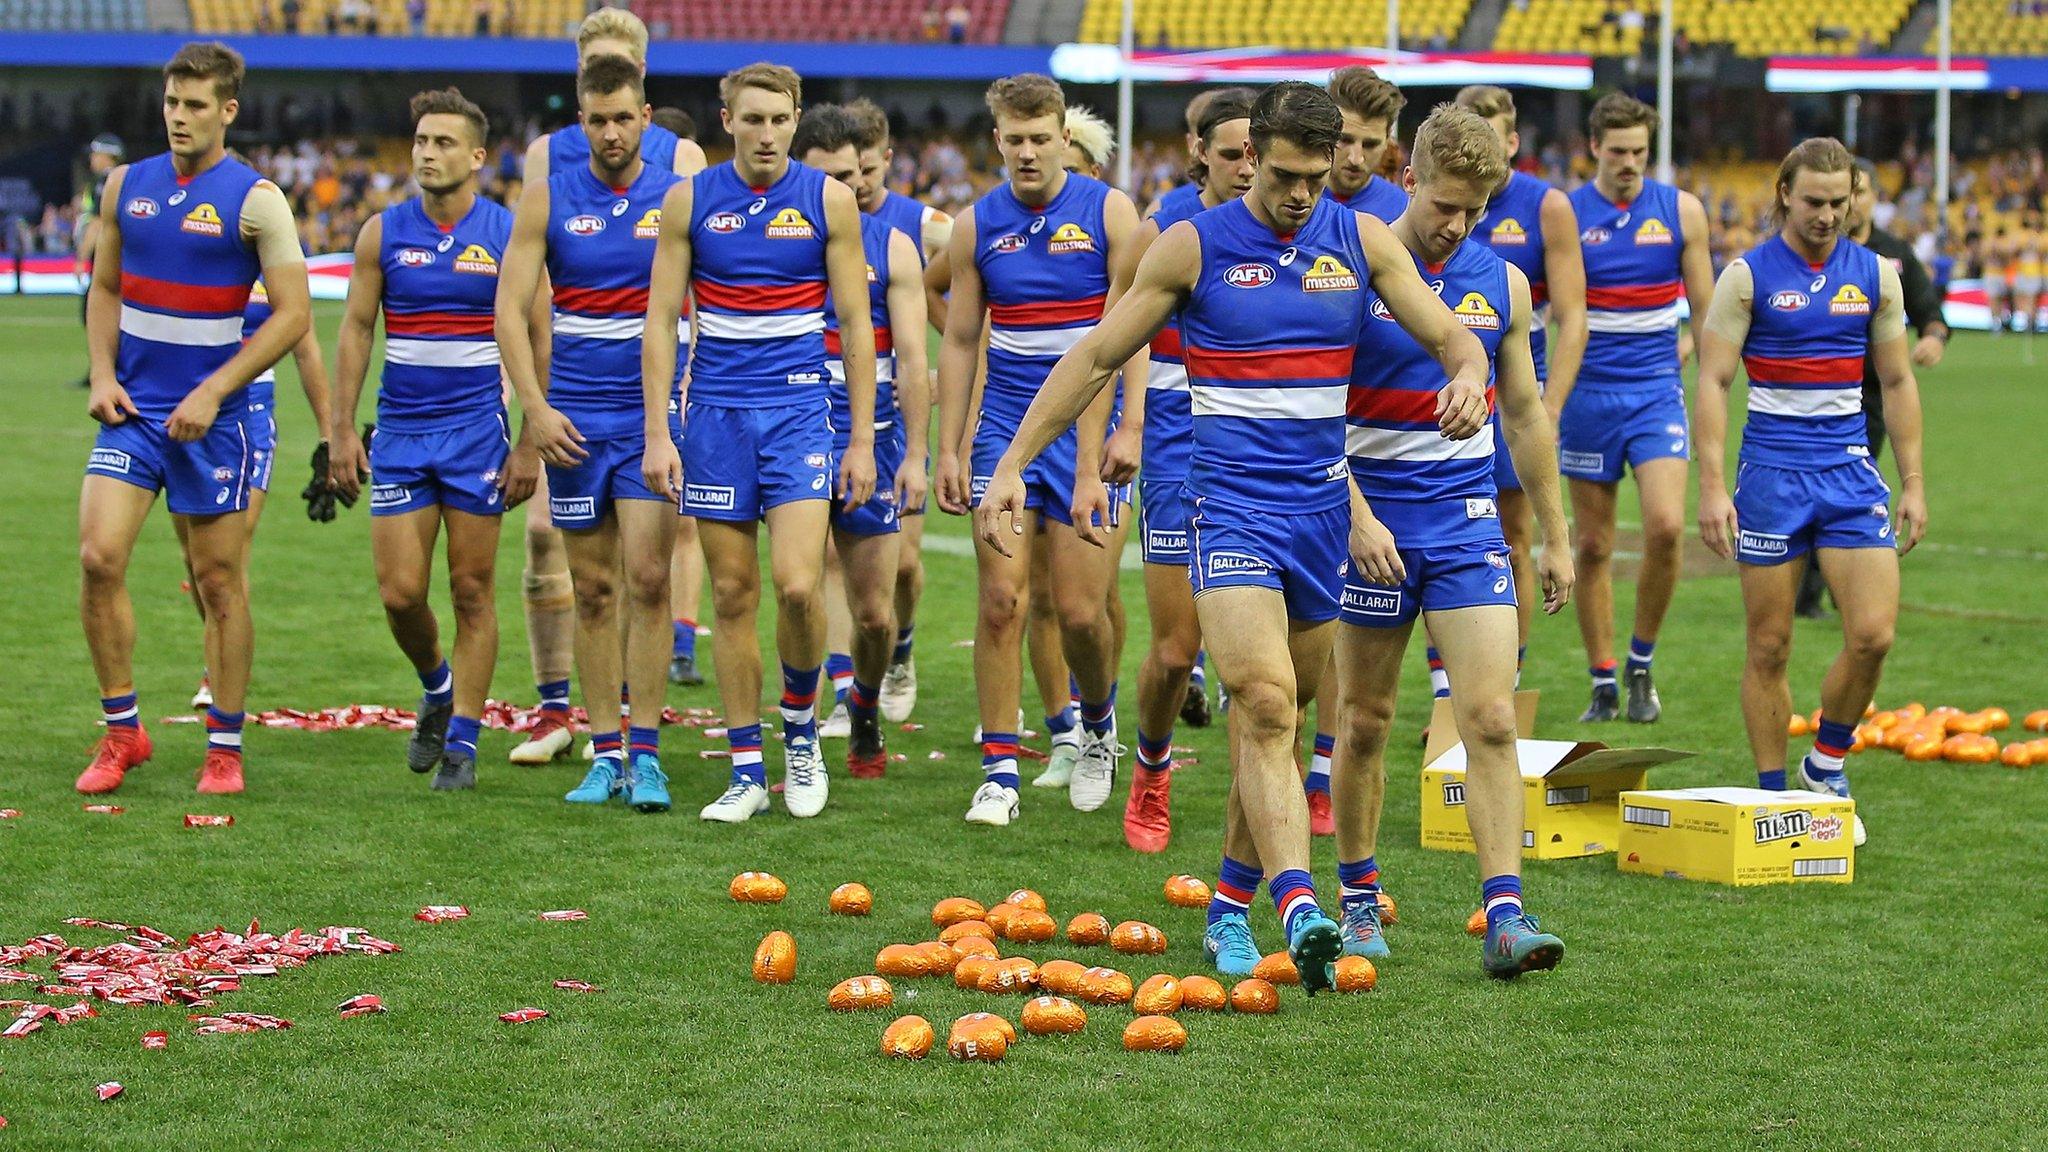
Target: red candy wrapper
[(156, 1039), (367, 1004), (566, 914), (193, 821), (105, 809), (577, 986), (109, 1090), (441, 913), (9, 814), (524, 1015)]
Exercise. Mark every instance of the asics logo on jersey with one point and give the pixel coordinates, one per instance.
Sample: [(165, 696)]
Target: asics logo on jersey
[(1474, 312), (1010, 242), (1287, 256), (649, 227), (1372, 601), (1249, 275), (1790, 300), (1595, 236), (789, 224), (584, 225), (1819, 282), (202, 221), (1508, 232), (1037, 225), (1070, 237), (142, 208), (415, 257), (476, 258), (177, 198), (725, 222), (1328, 274), (1653, 231), (446, 243), (754, 209), (1849, 301)]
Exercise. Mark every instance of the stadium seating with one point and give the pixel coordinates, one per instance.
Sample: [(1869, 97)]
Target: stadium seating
[(1995, 28), (541, 19), (74, 15), (886, 20), (1751, 27), (1297, 24)]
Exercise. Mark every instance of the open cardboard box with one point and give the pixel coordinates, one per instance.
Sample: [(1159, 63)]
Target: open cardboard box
[(1738, 836), (1571, 789)]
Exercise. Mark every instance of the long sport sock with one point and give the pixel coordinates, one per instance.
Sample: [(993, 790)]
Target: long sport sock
[(1502, 898), (1062, 723), (685, 644), (1155, 755), (906, 639), (1439, 680), (554, 697), (799, 703), (999, 758), (1639, 653), (1831, 745), (439, 685), (604, 744), (121, 711), (1360, 880), (223, 731), (1772, 781), (643, 741), (1603, 674), (746, 754), (1319, 764), (861, 701), (462, 731), (1294, 895), (839, 669), (1099, 716), (1237, 884)]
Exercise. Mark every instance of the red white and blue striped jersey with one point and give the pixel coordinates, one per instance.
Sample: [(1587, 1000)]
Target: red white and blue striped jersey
[(1633, 283), (757, 268), (440, 357), (1430, 492), (570, 148), (600, 243), (1268, 334), (907, 215), (1045, 272), (1809, 332), (1169, 420), (1380, 197), (262, 391), (875, 234), (1513, 228), (186, 274)]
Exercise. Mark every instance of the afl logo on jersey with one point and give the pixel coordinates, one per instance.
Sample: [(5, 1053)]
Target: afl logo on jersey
[(1248, 275), (202, 221), (1070, 237), (1849, 301), (143, 208), (584, 225), (1379, 310), (1328, 274), (415, 257), (789, 224), (1595, 236), (1508, 232), (649, 227), (1790, 300), (1653, 231), (1010, 242), (724, 223)]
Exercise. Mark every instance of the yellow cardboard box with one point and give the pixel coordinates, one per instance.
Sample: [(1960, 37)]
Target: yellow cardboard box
[(1738, 835), (1571, 790)]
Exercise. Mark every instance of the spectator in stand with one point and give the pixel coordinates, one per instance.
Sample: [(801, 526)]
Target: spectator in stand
[(416, 16), (932, 23), (264, 24), (508, 22), (957, 18), (483, 17), (290, 11)]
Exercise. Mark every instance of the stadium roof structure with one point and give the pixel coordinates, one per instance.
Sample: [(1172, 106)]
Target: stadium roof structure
[(1104, 64)]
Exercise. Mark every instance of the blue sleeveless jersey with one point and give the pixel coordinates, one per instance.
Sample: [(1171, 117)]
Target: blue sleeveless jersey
[(1179, 202), (874, 242), (1267, 335), (1045, 272), (440, 356), (263, 389), (757, 269), (1430, 492), (906, 214), (1513, 228), (570, 148), (186, 275), (600, 245), (1169, 421), (1380, 197), (1632, 287), (1809, 332)]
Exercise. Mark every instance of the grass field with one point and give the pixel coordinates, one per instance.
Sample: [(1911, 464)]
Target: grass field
[(1901, 1011)]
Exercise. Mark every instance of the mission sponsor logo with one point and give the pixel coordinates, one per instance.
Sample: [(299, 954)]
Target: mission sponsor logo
[(477, 259), (649, 226), (1474, 312), (1653, 231), (1070, 237), (203, 221), (789, 224), (1849, 301), (1508, 232), (1328, 274)]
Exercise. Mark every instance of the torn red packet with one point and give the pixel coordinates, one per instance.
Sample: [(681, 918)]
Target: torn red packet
[(369, 1003), (577, 986), (105, 809), (524, 1015), (199, 821), (565, 914), (156, 1040), (441, 913), (109, 1090)]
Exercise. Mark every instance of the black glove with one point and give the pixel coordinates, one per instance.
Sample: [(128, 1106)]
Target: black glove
[(319, 494)]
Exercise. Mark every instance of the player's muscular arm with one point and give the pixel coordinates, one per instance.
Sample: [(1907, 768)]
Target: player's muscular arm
[(1532, 441), (661, 467), (1461, 404), (689, 158), (1726, 329), (905, 299), (938, 280), (1696, 263), (1129, 239), (267, 227), (1894, 363), (846, 266), (959, 349), (519, 281), (1564, 272), (535, 170), (348, 463), (109, 403), (1164, 278), (313, 380)]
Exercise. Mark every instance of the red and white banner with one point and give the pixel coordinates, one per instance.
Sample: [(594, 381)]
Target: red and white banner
[(1104, 64)]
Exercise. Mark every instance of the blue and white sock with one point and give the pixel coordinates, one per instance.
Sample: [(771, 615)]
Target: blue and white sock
[(462, 734), (439, 685)]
